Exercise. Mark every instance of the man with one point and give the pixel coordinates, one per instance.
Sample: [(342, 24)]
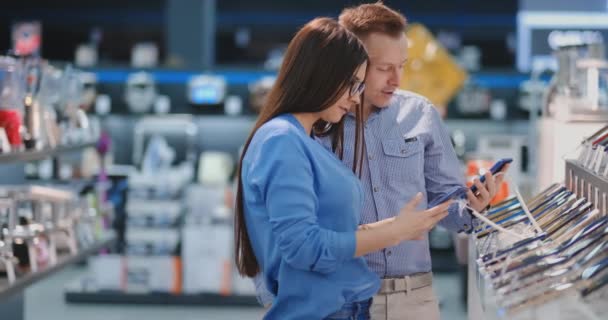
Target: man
[(407, 150)]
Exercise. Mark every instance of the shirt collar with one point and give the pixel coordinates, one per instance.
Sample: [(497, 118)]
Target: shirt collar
[(374, 113), (292, 119)]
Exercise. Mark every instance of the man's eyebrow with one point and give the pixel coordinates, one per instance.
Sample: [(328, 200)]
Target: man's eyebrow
[(388, 63)]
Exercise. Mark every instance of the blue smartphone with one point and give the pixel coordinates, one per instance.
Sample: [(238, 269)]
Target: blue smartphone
[(499, 165), (455, 194)]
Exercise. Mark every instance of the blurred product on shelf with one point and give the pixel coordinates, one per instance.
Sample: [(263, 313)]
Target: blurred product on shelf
[(86, 56), (259, 90), (134, 274), (473, 100), (155, 209), (209, 248), (151, 239), (430, 70), (204, 90), (274, 58), (579, 88), (233, 105), (470, 58), (27, 38), (178, 233), (103, 105), (144, 55), (215, 168), (41, 224), (202, 201), (43, 107), (11, 94), (10, 122), (89, 90), (574, 104), (154, 213), (140, 92), (179, 132), (498, 110)]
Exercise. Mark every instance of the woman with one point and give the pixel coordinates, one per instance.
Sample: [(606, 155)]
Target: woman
[(298, 207)]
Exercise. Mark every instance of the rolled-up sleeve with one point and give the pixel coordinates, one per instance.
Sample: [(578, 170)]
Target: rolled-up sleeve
[(284, 177), (264, 296)]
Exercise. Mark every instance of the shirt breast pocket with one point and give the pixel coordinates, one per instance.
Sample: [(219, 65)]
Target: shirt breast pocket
[(404, 160)]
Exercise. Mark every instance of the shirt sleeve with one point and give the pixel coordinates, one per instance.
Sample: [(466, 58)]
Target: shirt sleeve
[(264, 296), (443, 173), (285, 180), (325, 141)]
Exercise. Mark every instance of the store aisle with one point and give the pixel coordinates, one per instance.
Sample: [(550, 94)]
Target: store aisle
[(45, 301)]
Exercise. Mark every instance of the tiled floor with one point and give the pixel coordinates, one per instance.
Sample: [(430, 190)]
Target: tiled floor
[(45, 301)]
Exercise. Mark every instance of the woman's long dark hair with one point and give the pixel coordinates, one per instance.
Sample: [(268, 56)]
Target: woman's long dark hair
[(318, 67)]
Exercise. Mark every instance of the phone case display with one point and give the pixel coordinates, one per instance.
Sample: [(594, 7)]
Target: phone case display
[(549, 255)]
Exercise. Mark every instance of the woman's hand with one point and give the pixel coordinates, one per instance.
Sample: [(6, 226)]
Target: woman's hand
[(414, 224), (409, 224)]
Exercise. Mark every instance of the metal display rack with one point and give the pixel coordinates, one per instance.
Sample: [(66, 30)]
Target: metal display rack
[(584, 183), (482, 302)]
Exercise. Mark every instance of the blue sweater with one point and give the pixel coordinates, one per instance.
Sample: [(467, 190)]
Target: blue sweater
[(302, 208)]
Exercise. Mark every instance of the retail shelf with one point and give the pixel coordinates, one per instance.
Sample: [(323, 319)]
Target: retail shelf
[(24, 156), (158, 298), (489, 79), (6, 289), (229, 18)]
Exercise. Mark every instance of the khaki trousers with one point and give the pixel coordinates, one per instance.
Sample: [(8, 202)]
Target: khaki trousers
[(412, 300)]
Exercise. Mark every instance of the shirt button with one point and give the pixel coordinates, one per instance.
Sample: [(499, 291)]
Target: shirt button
[(389, 253), (376, 189), (403, 151)]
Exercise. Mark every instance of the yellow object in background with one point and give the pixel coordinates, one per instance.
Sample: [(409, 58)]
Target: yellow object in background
[(430, 70)]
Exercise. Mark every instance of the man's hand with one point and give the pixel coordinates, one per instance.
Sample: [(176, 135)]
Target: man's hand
[(485, 191)]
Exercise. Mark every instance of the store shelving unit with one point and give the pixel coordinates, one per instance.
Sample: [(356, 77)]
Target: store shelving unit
[(81, 295), (29, 278), (35, 155), (12, 294)]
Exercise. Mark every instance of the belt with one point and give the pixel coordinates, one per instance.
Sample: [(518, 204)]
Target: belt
[(407, 283)]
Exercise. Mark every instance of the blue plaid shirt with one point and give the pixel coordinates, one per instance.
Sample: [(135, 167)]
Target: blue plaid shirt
[(408, 150)]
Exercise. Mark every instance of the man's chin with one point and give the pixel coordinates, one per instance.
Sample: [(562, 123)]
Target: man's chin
[(383, 102)]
